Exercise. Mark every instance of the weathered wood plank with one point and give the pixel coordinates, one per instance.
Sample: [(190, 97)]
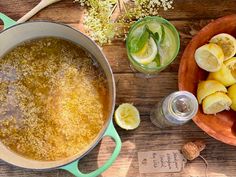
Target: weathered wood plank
[(67, 11), (144, 93)]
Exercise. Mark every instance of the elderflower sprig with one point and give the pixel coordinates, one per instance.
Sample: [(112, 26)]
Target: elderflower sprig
[(99, 25)]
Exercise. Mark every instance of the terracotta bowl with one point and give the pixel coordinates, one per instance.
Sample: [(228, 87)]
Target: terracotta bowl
[(221, 126)]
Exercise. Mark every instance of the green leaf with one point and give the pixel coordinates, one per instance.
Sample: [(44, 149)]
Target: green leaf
[(157, 40), (155, 36), (157, 59), (162, 34), (137, 43)]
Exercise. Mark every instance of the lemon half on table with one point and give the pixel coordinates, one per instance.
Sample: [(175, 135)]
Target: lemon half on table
[(127, 116), (227, 43), (209, 57)]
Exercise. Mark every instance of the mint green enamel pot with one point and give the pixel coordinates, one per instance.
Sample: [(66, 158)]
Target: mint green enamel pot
[(12, 35)]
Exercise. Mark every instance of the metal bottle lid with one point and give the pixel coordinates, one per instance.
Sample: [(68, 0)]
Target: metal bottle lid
[(180, 107)]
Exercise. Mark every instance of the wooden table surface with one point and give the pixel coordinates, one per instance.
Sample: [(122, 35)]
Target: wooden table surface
[(188, 16)]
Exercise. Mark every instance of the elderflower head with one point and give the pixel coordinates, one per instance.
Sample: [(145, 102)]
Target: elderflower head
[(98, 21)]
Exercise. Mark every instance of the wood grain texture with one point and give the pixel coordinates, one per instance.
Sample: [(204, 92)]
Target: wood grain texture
[(188, 16), (183, 9)]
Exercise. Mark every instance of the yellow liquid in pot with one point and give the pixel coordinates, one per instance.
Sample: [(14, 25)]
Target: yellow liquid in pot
[(53, 99)]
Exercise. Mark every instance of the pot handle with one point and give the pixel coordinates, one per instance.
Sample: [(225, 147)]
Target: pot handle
[(73, 167), (7, 21)]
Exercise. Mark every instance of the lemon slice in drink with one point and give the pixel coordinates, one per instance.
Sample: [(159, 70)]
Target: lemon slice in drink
[(208, 87), (227, 43), (232, 95), (147, 54), (209, 57), (215, 103), (127, 116), (224, 76)]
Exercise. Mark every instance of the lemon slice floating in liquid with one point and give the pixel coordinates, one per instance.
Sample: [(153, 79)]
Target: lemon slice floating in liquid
[(147, 54), (127, 116), (209, 87), (215, 103), (209, 57), (227, 43)]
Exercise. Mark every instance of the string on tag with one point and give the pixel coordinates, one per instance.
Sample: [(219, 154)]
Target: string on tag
[(206, 163)]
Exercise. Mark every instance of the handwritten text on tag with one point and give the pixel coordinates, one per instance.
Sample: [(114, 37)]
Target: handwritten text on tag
[(160, 161)]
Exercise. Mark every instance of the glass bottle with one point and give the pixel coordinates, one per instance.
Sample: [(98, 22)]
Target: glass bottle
[(174, 110)]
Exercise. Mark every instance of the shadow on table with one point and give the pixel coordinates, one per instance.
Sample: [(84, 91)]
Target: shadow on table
[(147, 137)]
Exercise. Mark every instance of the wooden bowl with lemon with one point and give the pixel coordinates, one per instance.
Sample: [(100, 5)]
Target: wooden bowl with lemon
[(208, 70)]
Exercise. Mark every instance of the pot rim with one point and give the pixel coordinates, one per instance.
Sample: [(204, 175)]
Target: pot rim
[(113, 95)]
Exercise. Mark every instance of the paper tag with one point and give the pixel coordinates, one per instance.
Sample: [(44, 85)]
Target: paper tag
[(161, 161)]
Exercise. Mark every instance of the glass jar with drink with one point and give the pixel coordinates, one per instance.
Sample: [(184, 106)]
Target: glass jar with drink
[(152, 44)]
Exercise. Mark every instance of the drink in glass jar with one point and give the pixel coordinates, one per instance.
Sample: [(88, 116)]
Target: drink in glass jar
[(152, 44)]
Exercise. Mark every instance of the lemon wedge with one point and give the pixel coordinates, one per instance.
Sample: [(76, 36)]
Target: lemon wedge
[(209, 87), (147, 54), (227, 43), (127, 116), (224, 76), (232, 95), (209, 57), (215, 103)]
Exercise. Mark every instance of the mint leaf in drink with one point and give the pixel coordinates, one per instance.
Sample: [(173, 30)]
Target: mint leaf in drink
[(137, 43), (162, 34), (157, 59), (157, 40), (158, 36), (155, 36)]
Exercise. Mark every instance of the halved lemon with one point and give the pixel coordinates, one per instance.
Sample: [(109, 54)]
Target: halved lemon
[(127, 116), (209, 57), (224, 76), (147, 54), (232, 96), (231, 64), (208, 87), (215, 103), (227, 43)]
